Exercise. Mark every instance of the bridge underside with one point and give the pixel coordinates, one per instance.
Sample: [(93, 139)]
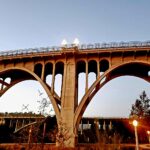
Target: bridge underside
[(132, 69), (11, 77)]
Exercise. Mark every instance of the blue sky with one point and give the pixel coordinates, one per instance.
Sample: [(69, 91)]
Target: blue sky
[(35, 23), (42, 23)]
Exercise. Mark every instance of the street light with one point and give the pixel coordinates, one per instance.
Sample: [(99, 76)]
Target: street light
[(29, 137), (76, 42), (148, 133), (64, 43), (135, 124)]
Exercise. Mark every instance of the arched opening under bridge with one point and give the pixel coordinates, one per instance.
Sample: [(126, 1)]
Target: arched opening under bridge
[(109, 110), (116, 97), (23, 106), (24, 97), (131, 77)]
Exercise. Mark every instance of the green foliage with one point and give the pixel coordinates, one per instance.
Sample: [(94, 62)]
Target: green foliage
[(141, 108)]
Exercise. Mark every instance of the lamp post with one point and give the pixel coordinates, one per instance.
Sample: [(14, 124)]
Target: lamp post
[(64, 43), (148, 133), (44, 130), (135, 124), (29, 137)]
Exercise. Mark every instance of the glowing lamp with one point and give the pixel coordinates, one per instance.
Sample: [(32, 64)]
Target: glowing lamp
[(64, 43), (76, 42), (148, 132), (135, 123)]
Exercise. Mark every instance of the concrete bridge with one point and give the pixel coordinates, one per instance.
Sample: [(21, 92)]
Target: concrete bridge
[(16, 123), (107, 61)]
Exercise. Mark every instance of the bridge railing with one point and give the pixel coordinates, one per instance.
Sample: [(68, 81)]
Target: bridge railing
[(115, 45), (80, 47)]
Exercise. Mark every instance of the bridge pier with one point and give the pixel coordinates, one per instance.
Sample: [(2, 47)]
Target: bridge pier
[(69, 103)]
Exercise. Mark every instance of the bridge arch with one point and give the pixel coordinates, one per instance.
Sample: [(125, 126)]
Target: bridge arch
[(133, 68), (59, 68), (34, 76), (104, 65), (38, 69), (92, 66), (48, 68), (59, 75), (48, 73), (81, 67)]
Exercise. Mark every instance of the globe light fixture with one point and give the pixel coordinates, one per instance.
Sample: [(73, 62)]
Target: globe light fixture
[(64, 43), (135, 124), (148, 133), (76, 42)]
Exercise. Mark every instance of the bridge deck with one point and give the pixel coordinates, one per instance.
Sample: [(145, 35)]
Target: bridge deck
[(90, 48)]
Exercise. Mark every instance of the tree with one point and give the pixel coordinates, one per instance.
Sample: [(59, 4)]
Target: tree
[(141, 108), (45, 105)]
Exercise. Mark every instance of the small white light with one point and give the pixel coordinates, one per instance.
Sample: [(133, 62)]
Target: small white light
[(135, 123), (64, 43), (76, 42)]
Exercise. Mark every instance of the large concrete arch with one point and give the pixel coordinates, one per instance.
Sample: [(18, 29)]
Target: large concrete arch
[(95, 87), (51, 97)]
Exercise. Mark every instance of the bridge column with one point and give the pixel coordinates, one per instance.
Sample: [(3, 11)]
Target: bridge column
[(16, 126), (86, 84), (43, 70), (10, 123), (98, 69), (69, 101), (53, 79)]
